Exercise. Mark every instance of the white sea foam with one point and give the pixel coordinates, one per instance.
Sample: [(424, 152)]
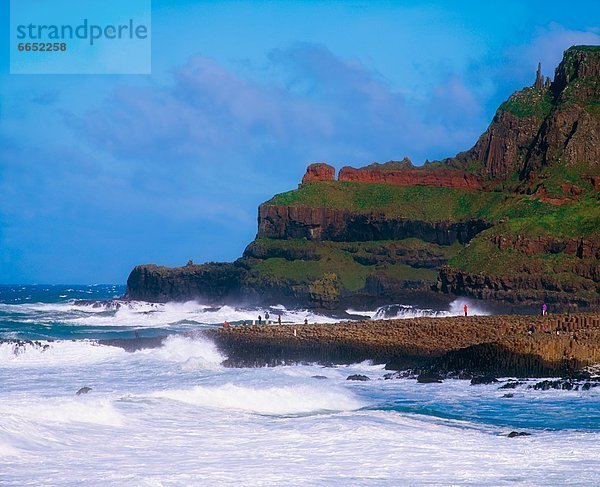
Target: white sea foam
[(57, 353), (191, 353), (78, 409), (281, 400), (401, 311)]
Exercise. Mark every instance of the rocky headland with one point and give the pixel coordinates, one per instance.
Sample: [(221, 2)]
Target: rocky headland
[(514, 221)]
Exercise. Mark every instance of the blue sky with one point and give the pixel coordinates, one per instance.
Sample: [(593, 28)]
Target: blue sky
[(99, 173)]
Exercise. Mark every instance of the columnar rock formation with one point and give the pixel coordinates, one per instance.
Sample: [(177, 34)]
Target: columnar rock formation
[(305, 222)]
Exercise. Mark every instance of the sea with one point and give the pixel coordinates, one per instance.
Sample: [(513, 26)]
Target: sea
[(173, 415)]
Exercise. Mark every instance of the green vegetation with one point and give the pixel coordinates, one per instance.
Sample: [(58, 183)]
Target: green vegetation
[(529, 102), (482, 256), (575, 220), (416, 202), (513, 214), (583, 49), (424, 203), (347, 260)]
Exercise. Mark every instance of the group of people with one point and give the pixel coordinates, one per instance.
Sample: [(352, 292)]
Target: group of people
[(267, 316), (259, 321)]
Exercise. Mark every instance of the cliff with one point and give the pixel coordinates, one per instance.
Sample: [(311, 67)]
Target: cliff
[(513, 220), (340, 225)]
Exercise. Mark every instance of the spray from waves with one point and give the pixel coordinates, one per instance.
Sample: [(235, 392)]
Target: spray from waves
[(39, 423), (403, 311), (191, 353), (140, 314), (280, 400), (61, 410), (56, 353)]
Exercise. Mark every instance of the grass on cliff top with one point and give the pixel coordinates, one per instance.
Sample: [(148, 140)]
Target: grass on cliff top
[(425, 203), (418, 202), (325, 247), (529, 102), (526, 214), (337, 258)]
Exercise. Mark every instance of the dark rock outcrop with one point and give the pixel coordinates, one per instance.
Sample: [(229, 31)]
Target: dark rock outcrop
[(516, 434), (523, 289), (429, 378), (214, 282), (358, 377), (483, 379)]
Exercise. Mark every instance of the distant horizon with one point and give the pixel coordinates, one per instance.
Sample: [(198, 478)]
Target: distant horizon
[(102, 173)]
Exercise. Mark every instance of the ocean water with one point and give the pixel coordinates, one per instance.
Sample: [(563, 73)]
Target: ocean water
[(173, 415)]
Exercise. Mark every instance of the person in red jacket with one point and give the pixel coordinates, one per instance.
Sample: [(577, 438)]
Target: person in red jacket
[(466, 310)]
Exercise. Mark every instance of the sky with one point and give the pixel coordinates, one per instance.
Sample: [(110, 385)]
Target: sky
[(99, 173)]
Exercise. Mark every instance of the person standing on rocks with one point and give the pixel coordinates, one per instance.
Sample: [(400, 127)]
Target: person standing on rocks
[(259, 319), (279, 320), (267, 317), (466, 310), (544, 309)]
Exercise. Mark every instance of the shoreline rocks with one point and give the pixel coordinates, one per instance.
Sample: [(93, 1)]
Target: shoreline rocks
[(463, 347)]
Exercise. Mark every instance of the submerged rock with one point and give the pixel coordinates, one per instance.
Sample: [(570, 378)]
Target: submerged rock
[(514, 434), (484, 379), (429, 378), (83, 390), (358, 377)]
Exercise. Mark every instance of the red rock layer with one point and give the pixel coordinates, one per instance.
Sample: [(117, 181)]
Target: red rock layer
[(319, 171), (446, 178)]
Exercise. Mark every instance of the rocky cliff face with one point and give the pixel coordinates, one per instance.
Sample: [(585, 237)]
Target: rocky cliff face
[(570, 134), (546, 123), (505, 144), (215, 282), (304, 222), (524, 289)]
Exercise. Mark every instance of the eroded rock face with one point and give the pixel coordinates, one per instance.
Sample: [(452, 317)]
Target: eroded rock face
[(319, 171), (405, 174), (524, 289), (280, 222), (546, 123), (503, 146), (580, 247), (213, 282), (571, 133)]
